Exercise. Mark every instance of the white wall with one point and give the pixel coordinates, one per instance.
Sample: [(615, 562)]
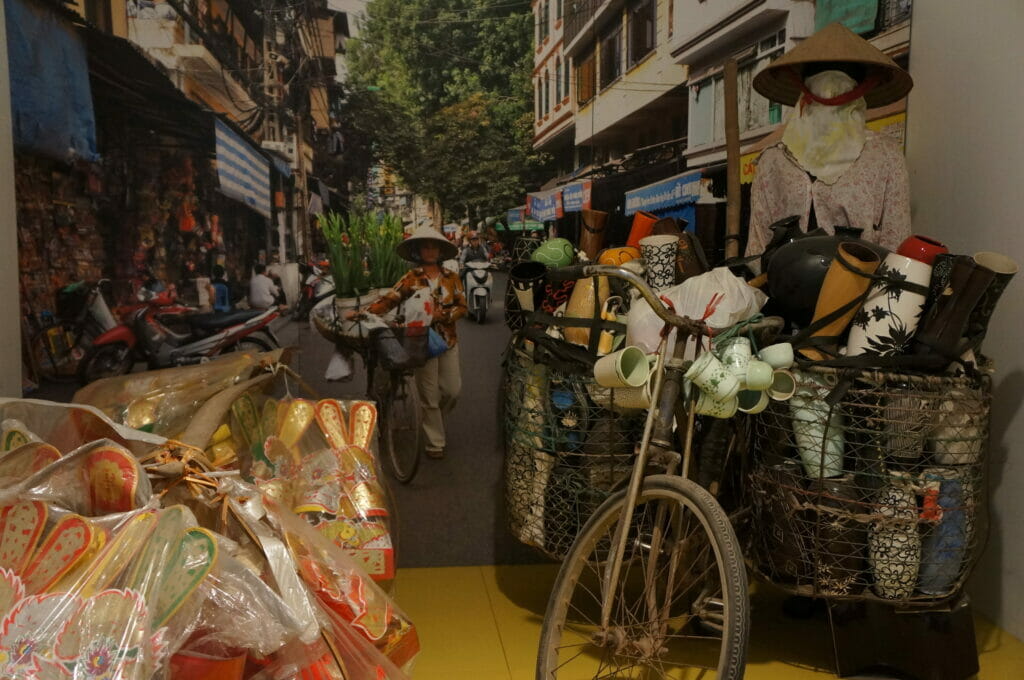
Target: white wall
[(10, 332), (965, 144)]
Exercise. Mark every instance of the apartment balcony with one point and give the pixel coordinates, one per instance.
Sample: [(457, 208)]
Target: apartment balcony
[(705, 30), (584, 18)]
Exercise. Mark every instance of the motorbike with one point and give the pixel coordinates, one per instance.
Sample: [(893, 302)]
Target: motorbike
[(146, 335), (318, 285), (478, 289)]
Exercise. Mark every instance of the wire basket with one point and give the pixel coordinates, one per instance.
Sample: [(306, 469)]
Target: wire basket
[(871, 486), (401, 347), (568, 445)]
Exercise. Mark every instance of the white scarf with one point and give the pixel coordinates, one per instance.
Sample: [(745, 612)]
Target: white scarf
[(826, 140)]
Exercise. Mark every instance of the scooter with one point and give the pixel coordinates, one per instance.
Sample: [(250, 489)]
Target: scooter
[(146, 336), (478, 289), (318, 285)]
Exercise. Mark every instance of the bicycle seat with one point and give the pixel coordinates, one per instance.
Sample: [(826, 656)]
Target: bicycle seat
[(216, 320)]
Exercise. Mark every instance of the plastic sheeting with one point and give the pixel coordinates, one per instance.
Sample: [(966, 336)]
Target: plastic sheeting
[(51, 101)]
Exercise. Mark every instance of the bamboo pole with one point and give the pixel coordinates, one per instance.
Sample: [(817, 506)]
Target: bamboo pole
[(732, 168)]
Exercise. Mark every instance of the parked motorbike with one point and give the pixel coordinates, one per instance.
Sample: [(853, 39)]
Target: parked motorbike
[(146, 335), (318, 285), (478, 289)]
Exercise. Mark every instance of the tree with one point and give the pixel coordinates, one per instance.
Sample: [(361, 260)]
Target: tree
[(441, 92)]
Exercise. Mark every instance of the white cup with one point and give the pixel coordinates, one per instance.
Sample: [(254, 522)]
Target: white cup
[(626, 368), (711, 376), (707, 405), (779, 355), (752, 401), (735, 354), (760, 375), (783, 385)]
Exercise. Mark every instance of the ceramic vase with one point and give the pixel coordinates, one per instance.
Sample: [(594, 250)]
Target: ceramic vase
[(618, 256), (643, 224), (906, 419), (945, 547), (890, 314), (527, 280), (586, 302), (786, 549), (922, 248), (659, 253), (894, 544), (556, 294), (1005, 269), (960, 431), (817, 427), (838, 538), (796, 273), (592, 236), (845, 283), (945, 323)]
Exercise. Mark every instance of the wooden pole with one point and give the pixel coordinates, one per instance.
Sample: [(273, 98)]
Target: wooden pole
[(732, 154)]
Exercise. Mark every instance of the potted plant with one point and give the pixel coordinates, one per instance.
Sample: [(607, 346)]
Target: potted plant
[(382, 236), (346, 249)]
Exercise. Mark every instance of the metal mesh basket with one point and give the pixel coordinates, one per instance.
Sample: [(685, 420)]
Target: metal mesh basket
[(400, 347), (871, 486), (564, 453)]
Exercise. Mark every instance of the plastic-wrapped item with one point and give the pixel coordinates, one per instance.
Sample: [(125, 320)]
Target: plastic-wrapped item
[(66, 427), (317, 459), (164, 401)]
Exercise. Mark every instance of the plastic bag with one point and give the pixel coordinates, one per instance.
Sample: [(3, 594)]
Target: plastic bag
[(736, 301)]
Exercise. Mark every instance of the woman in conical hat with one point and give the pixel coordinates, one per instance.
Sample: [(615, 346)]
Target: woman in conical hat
[(439, 381), (829, 169)]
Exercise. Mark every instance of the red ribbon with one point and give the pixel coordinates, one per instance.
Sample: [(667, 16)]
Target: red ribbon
[(865, 86)]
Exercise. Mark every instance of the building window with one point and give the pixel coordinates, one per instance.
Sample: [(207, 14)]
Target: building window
[(671, 16), (586, 85), (558, 82), (565, 80), (642, 29), (538, 103), (558, 9), (611, 54), (545, 20), (545, 83)]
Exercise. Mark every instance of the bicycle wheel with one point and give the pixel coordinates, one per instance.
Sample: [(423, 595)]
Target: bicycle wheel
[(680, 608), (400, 424)]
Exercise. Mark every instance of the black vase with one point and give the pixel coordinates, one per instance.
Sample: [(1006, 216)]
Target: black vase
[(1005, 269), (941, 330), (784, 231), (795, 274)]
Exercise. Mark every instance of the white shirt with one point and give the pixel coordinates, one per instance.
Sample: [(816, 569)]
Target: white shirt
[(262, 292)]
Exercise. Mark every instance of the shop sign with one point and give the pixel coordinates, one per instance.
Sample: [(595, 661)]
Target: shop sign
[(576, 196), (678, 190), (516, 215), (546, 205), (243, 172), (748, 165)]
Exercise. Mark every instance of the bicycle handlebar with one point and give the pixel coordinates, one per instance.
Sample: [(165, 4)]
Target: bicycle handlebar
[(579, 271)]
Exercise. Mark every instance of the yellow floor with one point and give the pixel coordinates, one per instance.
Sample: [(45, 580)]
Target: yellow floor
[(482, 623)]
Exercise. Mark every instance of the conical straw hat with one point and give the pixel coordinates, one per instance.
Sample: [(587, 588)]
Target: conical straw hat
[(834, 43), (409, 248)]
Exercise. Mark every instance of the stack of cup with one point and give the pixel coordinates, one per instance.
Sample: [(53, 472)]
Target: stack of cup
[(626, 373), (733, 379)]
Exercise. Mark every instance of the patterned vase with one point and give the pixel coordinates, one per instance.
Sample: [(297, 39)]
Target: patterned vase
[(659, 253), (844, 283), (838, 539), (945, 323), (643, 224), (593, 234), (894, 545), (946, 547), (527, 280), (586, 302), (817, 427), (890, 315)]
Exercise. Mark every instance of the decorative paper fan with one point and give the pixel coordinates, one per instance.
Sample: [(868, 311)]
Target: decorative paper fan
[(331, 418), (112, 475), (66, 544), (186, 570), (23, 524), (362, 421)]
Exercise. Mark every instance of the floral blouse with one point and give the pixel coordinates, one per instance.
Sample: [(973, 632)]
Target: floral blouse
[(873, 195), (448, 294)]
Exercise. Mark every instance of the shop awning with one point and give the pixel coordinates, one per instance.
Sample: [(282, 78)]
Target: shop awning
[(244, 172), (667, 193), (545, 205), (517, 214), (576, 196)]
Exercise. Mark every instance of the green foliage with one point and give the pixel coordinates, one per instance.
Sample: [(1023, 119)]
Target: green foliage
[(346, 249), (450, 104), (383, 234)]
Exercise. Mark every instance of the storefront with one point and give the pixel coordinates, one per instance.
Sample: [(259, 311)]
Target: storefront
[(671, 197)]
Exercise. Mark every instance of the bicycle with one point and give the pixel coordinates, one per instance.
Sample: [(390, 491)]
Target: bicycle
[(390, 355), (57, 345), (654, 582)]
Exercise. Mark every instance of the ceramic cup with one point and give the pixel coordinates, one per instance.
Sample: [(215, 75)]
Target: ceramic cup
[(659, 253), (707, 405), (779, 355), (712, 376), (735, 354), (760, 375), (783, 385), (752, 401), (626, 368)]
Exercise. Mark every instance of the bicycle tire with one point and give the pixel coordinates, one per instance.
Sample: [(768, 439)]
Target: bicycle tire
[(400, 425), (561, 624)]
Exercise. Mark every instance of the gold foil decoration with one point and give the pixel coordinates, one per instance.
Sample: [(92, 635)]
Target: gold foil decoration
[(332, 421), (298, 417), (368, 498), (362, 421)]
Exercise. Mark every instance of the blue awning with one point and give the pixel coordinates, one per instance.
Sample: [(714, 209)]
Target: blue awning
[(51, 101), (676, 190), (282, 166), (244, 172)]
